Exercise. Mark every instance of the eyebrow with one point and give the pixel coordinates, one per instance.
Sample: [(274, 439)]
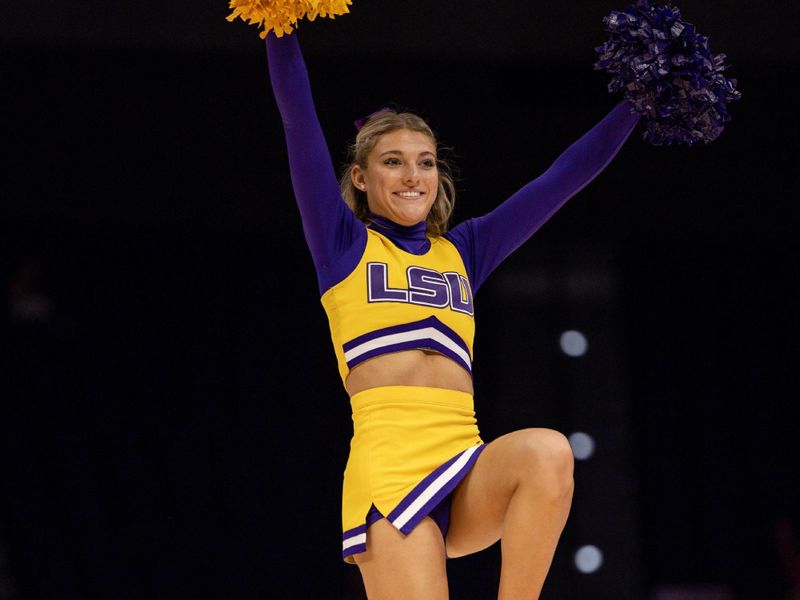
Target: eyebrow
[(400, 153)]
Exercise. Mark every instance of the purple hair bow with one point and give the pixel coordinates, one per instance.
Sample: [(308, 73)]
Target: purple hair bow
[(359, 123)]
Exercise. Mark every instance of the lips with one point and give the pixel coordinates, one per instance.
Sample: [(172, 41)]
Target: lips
[(410, 195)]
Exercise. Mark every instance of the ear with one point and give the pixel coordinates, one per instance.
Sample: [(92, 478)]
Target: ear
[(358, 179)]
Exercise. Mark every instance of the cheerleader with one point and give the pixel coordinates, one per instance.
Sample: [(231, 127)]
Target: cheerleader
[(398, 286)]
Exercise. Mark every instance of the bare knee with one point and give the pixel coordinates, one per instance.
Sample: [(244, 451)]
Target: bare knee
[(546, 461)]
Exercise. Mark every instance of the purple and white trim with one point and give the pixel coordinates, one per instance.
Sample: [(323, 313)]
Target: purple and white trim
[(432, 490), (354, 541), (427, 333), (418, 504)]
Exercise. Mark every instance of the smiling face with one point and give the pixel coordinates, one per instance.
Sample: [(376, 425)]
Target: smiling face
[(401, 178)]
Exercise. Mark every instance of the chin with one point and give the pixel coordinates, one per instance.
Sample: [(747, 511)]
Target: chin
[(414, 215)]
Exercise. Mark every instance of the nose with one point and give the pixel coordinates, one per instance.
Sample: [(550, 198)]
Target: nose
[(411, 174)]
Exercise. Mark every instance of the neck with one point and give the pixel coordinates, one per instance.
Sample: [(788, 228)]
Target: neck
[(411, 238)]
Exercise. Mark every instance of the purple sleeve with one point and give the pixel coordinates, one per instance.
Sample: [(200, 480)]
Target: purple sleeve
[(335, 237), (484, 242)]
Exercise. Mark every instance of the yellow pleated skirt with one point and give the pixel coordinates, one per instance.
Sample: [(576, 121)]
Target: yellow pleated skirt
[(411, 446)]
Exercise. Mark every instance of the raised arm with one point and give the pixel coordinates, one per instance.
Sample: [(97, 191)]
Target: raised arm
[(484, 242), (332, 232)]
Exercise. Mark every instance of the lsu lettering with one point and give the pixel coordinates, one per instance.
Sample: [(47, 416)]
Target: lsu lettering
[(426, 287)]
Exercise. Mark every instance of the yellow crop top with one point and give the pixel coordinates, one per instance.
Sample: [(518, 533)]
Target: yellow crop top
[(394, 300)]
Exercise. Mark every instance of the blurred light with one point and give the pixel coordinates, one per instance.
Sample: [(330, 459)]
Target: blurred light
[(573, 343), (588, 559), (582, 445)]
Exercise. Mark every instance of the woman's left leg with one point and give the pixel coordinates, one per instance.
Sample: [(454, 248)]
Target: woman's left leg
[(403, 567), (519, 491)]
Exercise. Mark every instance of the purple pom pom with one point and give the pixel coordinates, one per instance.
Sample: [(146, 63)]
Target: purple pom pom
[(667, 73)]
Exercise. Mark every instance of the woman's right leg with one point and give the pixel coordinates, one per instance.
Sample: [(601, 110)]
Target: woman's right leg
[(519, 491), (398, 567)]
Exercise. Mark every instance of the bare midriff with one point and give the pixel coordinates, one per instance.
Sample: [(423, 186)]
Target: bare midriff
[(409, 367)]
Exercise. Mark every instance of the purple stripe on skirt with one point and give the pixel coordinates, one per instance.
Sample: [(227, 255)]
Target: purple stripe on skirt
[(373, 515), (355, 548), (423, 485), (440, 515), (353, 532)]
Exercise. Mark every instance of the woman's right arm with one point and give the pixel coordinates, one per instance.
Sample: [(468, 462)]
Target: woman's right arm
[(333, 233), (484, 242)]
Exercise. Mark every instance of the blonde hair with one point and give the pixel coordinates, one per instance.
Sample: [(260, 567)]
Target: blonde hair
[(380, 124)]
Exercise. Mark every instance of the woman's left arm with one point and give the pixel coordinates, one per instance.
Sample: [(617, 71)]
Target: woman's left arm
[(484, 242)]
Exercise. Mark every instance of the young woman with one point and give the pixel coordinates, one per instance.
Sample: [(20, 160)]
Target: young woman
[(398, 286)]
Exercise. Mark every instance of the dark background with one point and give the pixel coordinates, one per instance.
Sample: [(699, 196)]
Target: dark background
[(172, 424)]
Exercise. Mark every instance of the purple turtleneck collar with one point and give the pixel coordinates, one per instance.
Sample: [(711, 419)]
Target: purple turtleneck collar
[(410, 238)]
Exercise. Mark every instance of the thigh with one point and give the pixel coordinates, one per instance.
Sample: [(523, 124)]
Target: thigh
[(401, 567), (480, 501)]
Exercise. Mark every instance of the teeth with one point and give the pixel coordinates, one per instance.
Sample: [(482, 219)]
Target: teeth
[(410, 194)]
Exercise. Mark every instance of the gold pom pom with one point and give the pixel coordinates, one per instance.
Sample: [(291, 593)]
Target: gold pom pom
[(281, 16)]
